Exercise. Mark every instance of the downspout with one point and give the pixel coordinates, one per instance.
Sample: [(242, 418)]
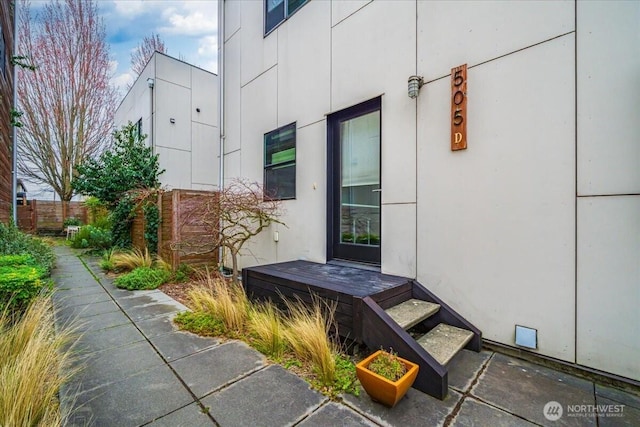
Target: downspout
[(14, 191), (221, 109)]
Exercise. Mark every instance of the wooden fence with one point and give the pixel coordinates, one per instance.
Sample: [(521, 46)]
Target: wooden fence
[(45, 216), (187, 232)]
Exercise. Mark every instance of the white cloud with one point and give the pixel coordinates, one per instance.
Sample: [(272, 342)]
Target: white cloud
[(130, 8), (208, 46), (123, 81), (192, 19)]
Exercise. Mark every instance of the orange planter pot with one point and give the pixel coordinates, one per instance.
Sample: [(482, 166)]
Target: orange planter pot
[(381, 389)]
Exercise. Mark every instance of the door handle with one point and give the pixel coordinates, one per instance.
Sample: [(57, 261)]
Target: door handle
[(378, 190)]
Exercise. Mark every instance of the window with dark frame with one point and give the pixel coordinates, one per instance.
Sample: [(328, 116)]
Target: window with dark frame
[(138, 128), (280, 163), (277, 11)]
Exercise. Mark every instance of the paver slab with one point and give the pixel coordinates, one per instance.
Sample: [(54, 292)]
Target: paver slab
[(464, 368), (174, 345), (133, 401), (414, 409), (157, 325), (215, 367), (333, 414), (475, 413), (88, 310), (72, 299), (612, 413), (138, 313), (618, 395), (524, 389), (270, 397), (94, 323), (189, 416), (108, 338), (109, 366)]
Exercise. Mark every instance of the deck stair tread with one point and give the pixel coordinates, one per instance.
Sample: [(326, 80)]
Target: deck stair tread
[(444, 341), (412, 312)]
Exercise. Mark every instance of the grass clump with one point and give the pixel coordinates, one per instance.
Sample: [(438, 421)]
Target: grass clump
[(307, 332), (130, 260), (32, 355), (142, 278), (267, 329), (224, 301), (298, 339)]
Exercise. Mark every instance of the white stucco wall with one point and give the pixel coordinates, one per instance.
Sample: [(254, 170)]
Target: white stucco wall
[(520, 228), (608, 176), (188, 148)]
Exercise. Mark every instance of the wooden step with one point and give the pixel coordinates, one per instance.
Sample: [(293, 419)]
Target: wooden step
[(445, 341), (412, 312)]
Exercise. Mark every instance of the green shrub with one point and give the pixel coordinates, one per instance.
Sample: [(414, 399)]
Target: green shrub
[(13, 260), (19, 284), (71, 221), (121, 218), (92, 237), (151, 224), (183, 273), (142, 278), (14, 242), (200, 323)]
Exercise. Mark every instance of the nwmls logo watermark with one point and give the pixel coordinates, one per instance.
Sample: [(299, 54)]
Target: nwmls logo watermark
[(553, 411)]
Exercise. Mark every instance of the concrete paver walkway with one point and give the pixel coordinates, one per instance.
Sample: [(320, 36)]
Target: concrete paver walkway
[(138, 369)]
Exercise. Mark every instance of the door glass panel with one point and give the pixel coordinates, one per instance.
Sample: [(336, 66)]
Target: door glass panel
[(360, 180)]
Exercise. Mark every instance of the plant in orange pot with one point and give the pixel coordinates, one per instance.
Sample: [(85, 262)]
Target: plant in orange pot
[(386, 377)]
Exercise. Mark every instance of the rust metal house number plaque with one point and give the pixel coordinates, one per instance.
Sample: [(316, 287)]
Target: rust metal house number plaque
[(459, 108)]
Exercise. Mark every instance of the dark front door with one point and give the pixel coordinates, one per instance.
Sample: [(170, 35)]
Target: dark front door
[(353, 230)]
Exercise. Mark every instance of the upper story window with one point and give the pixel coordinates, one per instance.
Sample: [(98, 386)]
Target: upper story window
[(277, 11), (280, 163), (138, 128)]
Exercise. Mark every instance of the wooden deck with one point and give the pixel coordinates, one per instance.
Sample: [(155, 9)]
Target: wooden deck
[(345, 286)]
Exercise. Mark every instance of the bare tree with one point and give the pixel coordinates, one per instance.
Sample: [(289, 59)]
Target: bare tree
[(230, 219), (145, 49), (67, 102)]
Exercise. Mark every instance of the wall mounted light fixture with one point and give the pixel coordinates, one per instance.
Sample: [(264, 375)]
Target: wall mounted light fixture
[(172, 120), (415, 83), (150, 82)]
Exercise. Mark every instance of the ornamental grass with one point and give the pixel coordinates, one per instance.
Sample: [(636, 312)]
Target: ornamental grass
[(34, 363)]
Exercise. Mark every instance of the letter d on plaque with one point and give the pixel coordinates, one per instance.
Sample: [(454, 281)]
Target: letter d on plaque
[(459, 108)]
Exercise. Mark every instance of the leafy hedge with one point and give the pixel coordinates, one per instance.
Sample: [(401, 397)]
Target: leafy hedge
[(92, 237), (142, 278), (14, 242), (20, 280)]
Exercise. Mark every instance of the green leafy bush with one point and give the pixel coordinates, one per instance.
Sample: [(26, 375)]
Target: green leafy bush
[(20, 280), (121, 218), (14, 242), (142, 278), (92, 237), (71, 221), (151, 224), (12, 260)]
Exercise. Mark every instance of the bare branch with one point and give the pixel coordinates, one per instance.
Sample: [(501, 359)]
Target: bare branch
[(239, 212), (67, 101), (143, 52)]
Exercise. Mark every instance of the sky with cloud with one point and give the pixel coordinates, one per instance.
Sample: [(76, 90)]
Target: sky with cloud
[(188, 29)]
